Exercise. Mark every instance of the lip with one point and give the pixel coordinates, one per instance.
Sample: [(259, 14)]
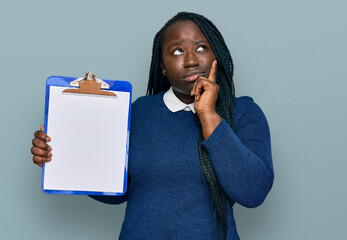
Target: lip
[(191, 77)]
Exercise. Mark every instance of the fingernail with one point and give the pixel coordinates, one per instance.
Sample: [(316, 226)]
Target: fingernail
[(49, 159), (49, 149), (50, 155)]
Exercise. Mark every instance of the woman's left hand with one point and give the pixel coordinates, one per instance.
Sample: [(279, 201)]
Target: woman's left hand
[(206, 91)]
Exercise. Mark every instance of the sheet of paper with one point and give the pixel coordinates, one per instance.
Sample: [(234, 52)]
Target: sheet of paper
[(89, 136)]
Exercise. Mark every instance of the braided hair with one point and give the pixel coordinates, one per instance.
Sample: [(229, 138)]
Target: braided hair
[(224, 106)]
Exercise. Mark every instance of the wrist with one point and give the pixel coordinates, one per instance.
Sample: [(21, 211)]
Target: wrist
[(208, 116), (209, 122)]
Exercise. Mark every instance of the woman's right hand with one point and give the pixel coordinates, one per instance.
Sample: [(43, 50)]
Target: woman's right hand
[(41, 150)]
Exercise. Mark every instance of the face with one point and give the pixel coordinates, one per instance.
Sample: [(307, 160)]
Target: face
[(186, 56)]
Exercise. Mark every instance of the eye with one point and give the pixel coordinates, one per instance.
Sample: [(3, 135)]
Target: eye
[(201, 49), (177, 52)]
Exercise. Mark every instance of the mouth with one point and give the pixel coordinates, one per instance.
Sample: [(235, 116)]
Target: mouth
[(192, 77)]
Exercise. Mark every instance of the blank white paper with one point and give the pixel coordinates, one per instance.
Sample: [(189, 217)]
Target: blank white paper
[(89, 136)]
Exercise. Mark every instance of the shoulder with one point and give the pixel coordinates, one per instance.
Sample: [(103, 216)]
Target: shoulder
[(146, 106), (245, 104), (149, 101), (246, 111), (147, 111)]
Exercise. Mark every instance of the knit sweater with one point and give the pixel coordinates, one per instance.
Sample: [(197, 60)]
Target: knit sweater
[(168, 197)]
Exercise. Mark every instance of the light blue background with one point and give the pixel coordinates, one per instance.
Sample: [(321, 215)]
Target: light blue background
[(290, 56)]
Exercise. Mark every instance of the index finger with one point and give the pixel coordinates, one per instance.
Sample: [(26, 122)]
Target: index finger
[(213, 71)]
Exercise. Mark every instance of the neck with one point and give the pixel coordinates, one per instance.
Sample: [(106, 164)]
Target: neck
[(187, 99)]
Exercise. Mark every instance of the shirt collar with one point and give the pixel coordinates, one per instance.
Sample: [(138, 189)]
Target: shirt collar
[(174, 104)]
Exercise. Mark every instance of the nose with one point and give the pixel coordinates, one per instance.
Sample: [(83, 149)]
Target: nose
[(191, 60)]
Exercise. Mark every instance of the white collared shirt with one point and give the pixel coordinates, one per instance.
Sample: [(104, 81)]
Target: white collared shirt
[(174, 104)]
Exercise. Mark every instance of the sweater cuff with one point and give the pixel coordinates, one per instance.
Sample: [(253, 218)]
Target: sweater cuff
[(218, 136)]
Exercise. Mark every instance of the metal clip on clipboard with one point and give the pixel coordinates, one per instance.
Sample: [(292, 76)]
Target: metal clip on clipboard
[(89, 84)]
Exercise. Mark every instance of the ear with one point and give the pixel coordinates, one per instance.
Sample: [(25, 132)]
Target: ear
[(163, 71)]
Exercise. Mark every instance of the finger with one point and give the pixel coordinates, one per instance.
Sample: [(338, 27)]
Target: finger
[(201, 78), (40, 160), (213, 71), (198, 89), (41, 144), (204, 84), (43, 136), (48, 139), (40, 152), (192, 92)]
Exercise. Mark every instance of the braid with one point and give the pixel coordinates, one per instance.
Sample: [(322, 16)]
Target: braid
[(224, 106)]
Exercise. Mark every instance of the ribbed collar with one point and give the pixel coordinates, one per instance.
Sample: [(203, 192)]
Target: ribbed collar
[(174, 104)]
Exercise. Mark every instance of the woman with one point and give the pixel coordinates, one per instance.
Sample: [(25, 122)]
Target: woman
[(192, 142)]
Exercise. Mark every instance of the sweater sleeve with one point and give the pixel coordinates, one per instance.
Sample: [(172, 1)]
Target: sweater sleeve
[(242, 159), (110, 199)]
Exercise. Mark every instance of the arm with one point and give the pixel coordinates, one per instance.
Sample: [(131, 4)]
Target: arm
[(242, 159), (110, 199)]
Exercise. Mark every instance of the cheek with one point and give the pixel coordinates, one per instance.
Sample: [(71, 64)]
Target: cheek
[(173, 68), (208, 63)]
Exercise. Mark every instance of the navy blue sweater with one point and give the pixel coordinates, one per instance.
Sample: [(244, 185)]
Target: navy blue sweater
[(167, 196)]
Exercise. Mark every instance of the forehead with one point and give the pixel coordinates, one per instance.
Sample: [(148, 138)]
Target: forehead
[(183, 30)]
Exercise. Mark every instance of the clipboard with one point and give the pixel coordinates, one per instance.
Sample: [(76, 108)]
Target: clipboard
[(88, 120)]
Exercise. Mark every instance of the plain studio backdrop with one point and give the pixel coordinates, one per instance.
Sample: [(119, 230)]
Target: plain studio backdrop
[(290, 56)]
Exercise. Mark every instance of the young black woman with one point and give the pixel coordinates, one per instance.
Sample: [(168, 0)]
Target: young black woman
[(195, 149)]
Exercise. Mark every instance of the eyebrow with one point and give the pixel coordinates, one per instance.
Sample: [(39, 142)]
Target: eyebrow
[(180, 42), (175, 44), (202, 41)]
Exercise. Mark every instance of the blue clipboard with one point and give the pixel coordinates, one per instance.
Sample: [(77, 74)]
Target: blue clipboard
[(90, 136)]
